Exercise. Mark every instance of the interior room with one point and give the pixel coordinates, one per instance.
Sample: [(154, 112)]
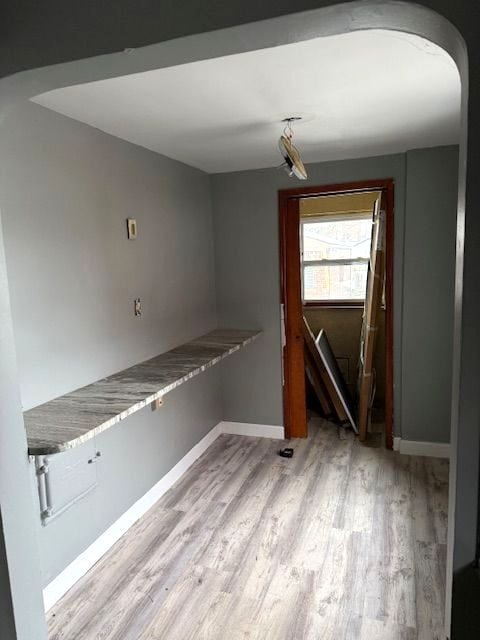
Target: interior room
[(234, 356), (344, 304), (334, 293)]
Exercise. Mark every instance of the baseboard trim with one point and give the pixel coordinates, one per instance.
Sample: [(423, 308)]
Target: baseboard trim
[(251, 429), (85, 561), (419, 448)]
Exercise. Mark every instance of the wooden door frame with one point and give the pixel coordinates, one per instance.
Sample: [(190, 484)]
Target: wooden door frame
[(294, 400)]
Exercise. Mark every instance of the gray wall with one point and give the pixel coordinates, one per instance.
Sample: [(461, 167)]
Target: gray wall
[(247, 266), (7, 618), (34, 39), (429, 281), (20, 578), (66, 190)]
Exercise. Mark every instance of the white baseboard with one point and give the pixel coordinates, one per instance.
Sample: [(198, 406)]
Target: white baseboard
[(85, 561), (419, 448), (250, 429)]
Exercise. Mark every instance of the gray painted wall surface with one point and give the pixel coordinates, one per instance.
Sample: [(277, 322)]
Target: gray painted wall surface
[(34, 39), (73, 277), (7, 617), (247, 267), (21, 611), (429, 281), (66, 191)]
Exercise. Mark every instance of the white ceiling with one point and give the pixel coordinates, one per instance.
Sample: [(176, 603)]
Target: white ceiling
[(363, 93)]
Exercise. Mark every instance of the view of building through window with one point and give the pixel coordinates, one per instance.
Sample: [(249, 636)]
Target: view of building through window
[(335, 258)]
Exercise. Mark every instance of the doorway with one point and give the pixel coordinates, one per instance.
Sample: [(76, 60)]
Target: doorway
[(292, 298)]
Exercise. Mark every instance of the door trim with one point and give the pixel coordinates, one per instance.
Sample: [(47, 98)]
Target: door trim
[(294, 401)]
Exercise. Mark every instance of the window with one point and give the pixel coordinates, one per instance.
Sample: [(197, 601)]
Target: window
[(335, 254)]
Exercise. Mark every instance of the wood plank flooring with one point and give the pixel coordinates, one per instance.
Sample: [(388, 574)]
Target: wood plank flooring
[(342, 542)]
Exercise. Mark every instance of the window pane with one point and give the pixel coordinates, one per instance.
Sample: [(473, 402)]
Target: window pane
[(337, 239), (345, 282)]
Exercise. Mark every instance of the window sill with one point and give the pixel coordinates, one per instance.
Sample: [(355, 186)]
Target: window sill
[(335, 304)]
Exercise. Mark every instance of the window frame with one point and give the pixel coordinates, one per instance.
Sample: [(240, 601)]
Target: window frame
[(345, 303)]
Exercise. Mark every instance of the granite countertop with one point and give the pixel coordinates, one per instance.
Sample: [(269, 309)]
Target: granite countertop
[(70, 420)]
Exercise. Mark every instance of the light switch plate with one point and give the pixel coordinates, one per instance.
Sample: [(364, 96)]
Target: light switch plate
[(131, 228)]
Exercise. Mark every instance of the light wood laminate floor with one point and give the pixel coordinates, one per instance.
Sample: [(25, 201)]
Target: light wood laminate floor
[(341, 542)]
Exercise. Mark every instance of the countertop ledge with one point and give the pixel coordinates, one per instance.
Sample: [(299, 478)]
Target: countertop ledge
[(70, 420)]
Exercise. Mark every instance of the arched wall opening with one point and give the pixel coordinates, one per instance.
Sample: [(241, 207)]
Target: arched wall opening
[(337, 19)]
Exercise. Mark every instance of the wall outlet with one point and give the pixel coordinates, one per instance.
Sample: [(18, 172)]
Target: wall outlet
[(137, 307), (156, 404)]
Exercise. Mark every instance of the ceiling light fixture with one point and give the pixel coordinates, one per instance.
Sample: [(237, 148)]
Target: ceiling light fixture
[(293, 164)]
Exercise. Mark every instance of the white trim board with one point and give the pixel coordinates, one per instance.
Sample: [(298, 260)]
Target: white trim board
[(85, 561), (250, 429), (420, 448)]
